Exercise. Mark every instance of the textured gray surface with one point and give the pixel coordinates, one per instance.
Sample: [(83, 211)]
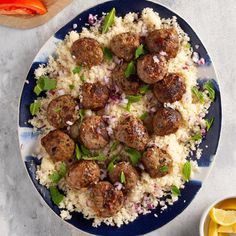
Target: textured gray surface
[(21, 210)]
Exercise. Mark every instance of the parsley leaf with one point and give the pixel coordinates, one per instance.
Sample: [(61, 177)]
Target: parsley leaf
[(83, 78), (109, 20), (134, 155), (130, 70), (77, 70), (163, 168), (111, 165), (56, 176), (145, 88), (81, 114), (34, 107), (144, 115), (132, 99), (209, 123), (210, 88), (175, 191), (85, 151), (71, 86), (107, 53), (196, 137), (139, 51), (186, 171), (198, 94), (99, 157), (44, 84), (114, 145), (78, 153), (56, 196)]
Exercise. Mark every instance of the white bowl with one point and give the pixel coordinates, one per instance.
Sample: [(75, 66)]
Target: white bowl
[(204, 222)]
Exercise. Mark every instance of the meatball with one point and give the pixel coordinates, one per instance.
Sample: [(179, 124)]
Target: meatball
[(131, 175), (58, 145), (93, 133), (163, 40), (105, 199), (87, 52), (157, 162), (151, 68), (82, 174), (129, 86), (124, 45), (170, 89), (94, 96), (166, 121), (131, 131), (61, 110)]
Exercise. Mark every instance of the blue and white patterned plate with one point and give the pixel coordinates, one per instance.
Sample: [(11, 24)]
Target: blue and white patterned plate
[(28, 138)]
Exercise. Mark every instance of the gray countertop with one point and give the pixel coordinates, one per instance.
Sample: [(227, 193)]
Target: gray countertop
[(22, 212)]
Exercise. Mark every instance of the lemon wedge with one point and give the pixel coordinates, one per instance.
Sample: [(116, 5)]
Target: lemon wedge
[(223, 217), (222, 234), (229, 204), (212, 229), (227, 229)]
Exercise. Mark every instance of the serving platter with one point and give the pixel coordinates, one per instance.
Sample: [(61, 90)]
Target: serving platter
[(28, 137)]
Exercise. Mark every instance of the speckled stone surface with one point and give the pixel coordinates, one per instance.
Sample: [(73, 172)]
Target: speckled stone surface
[(22, 211)]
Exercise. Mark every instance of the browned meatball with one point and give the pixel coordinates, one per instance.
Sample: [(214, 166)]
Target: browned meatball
[(124, 45), (157, 162), (61, 110), (87, 52), (93, 133), (166, 40), (151, 68), (94, 96), (170, 89), (166, 121), (131, 131), (105, 199), (129, 86), (58, 145), (130, 173), (82, 174)]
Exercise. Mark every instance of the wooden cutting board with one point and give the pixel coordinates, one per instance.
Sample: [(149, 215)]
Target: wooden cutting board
[(30, 21)]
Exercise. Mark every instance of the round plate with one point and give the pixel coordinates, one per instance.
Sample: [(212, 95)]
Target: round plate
[(144, 223)]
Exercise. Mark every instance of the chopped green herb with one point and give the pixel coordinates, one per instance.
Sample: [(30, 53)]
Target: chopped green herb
[(175, 191), (134, 155), (58, 109), (145, 88), (128, 107), (198, 94), (188, 45), (83, 78), (139, 51), (122, 177), (111, 165), (163, 168), (210, 88), (130, 70), (37, 89), (114, 145), (132, 99), (77, 70), (99, 157), (71, 86), (81, 114), (196, 137), (107, 54), (109, 20), (56, 196), (44, 84), (209, 123), (78, 154), (34, 107), (144, 115), (85, 151), (186, 171), (56, 176)]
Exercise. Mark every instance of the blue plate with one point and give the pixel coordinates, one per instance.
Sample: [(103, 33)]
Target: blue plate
[(27, 138)]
